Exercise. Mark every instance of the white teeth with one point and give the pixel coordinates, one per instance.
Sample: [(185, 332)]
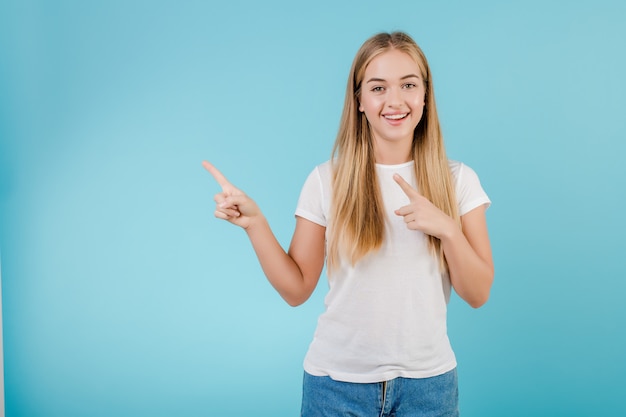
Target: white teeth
[(396, 116)]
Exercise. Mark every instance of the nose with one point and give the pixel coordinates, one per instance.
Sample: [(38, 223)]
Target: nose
[(394, 97)]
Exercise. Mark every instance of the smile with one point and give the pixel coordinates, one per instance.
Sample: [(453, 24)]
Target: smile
[(395, 116)]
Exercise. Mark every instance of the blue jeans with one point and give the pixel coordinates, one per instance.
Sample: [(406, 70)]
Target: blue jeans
[(437, 396)]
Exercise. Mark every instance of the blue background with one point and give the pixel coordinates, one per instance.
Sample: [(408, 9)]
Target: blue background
[(124, 296)]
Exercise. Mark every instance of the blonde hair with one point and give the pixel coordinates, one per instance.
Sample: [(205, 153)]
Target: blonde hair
[(357, 217)]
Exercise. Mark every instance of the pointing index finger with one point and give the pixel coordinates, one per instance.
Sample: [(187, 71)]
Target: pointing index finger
[(219, 177), (406, 187)]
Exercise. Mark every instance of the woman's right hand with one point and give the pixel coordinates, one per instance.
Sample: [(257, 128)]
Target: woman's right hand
[(232, 204)]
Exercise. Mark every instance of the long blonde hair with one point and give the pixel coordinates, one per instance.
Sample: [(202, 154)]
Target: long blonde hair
[(357, 217)]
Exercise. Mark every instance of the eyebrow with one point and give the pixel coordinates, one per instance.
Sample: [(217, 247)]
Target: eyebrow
[(383, 80)]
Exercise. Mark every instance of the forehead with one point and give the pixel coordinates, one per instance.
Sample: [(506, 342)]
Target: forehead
[(392, 64)]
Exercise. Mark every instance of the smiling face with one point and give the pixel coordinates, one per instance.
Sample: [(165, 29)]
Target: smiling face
[(392, 99)]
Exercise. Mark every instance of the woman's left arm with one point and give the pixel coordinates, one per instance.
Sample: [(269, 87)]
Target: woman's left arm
[(467, 248), (468, 254)]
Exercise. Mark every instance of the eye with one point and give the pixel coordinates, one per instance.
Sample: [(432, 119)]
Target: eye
[(378, 89), (408, 86)]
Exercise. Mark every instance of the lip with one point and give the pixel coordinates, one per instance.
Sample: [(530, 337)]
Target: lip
[(395, 118)]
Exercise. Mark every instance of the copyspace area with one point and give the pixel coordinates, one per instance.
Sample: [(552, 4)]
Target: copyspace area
[(123, 296)]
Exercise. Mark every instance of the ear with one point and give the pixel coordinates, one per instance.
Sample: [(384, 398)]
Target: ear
[(357, 99)]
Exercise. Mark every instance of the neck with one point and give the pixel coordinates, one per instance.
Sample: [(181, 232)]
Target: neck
[(392, 153)]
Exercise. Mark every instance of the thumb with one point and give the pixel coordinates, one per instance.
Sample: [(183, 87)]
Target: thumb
[(406, 187), (233, 201)]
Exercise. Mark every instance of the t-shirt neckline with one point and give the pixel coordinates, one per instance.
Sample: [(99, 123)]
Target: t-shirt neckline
[(395, 166)]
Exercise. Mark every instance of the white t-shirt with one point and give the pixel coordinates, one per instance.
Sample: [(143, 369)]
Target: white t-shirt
[(386, 316)]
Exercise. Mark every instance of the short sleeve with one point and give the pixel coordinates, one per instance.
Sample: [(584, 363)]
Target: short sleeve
[(469, 192), (311, 202)]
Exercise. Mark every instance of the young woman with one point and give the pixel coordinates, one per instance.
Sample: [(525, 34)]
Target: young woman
[(398, 225)]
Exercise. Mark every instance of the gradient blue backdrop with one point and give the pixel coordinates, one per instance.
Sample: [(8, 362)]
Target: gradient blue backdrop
[(123, 296)]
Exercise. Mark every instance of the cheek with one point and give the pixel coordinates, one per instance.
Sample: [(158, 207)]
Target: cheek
[(372, 105), (371, 112), (366, 107), (418, 112), (419, 103), (421, 99)]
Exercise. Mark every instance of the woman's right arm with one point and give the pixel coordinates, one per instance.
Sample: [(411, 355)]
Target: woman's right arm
[(294, 274)]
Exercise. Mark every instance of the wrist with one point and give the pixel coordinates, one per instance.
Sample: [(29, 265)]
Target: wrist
[(451, 231), (256, 223)]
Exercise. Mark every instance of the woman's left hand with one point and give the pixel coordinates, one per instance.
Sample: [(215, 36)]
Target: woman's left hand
[(420, 214)]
